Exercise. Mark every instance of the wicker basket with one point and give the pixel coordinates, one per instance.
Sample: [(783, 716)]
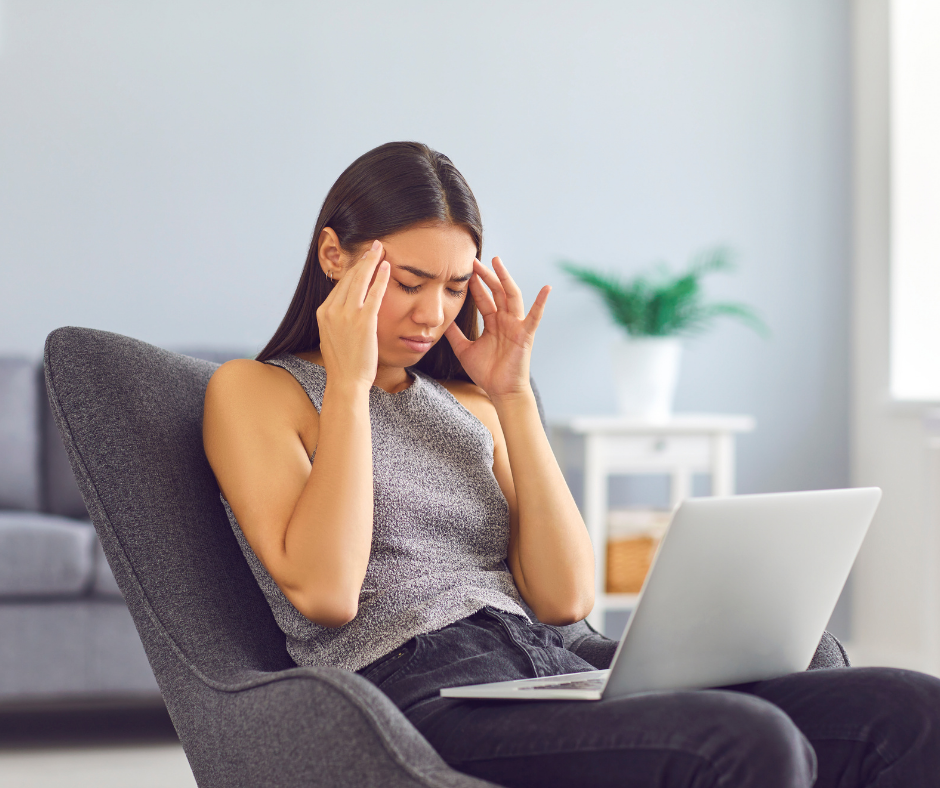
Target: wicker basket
[(633, 536)]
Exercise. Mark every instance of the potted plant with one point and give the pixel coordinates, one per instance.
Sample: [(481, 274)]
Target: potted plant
[(656, 310)]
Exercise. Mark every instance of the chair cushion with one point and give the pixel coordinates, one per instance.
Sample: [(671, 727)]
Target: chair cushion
[(61, 494), (19, 434), (42, 555)]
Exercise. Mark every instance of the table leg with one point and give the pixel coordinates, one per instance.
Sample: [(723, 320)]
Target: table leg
[(723, 464), (595, 515)]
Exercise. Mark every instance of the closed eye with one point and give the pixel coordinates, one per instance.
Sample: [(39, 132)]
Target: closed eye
[(416, 288)]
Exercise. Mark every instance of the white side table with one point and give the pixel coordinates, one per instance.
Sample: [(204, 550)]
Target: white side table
[(606, 445)]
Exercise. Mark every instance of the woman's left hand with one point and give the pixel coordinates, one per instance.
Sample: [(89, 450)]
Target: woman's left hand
[(498, 362)]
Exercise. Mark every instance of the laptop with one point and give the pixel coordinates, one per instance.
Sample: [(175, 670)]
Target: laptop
[(740, 589)]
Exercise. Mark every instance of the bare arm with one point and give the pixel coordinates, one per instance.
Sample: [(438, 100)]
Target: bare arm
[(311, 527), (550, 552), (550, 556), (326, 546)]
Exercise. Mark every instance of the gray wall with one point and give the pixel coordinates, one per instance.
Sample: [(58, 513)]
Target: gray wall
[(162, 164)]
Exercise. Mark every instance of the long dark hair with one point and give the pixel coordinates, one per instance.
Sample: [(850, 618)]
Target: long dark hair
[(391, 188)]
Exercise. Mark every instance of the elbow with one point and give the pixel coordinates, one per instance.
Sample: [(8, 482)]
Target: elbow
[(333, 617), (560, 615), (326, 609), (557, 618)]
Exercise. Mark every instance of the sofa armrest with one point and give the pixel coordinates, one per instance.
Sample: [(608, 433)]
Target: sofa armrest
[(307, 726)]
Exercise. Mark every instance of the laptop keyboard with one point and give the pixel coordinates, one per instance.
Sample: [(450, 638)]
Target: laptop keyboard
[(580, 684)]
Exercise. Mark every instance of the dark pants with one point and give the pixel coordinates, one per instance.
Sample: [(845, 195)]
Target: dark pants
[(837, 727)]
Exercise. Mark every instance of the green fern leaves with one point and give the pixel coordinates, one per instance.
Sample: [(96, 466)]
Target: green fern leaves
[(659, 304)]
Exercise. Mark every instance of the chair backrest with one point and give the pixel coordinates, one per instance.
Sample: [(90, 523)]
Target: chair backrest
[(130, 415)]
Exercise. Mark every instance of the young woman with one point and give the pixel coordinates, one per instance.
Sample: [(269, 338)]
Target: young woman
[(385, 470)]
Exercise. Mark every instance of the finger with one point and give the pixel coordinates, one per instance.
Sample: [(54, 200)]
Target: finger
[(482, 297), (484, 302), (342, 285), (492, 281), (377, 289), (458, 341), (363, 271), (347, 286), (513, 294), (534, 317)]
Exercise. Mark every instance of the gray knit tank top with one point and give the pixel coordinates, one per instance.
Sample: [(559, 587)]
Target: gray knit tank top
[(440, 527)]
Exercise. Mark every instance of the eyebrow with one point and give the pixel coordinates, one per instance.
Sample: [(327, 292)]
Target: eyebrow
[(425, 275)]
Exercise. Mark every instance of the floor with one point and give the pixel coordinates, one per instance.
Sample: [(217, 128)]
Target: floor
[(91, 748)]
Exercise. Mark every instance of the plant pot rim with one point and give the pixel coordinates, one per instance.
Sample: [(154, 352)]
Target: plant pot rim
[(648, 338)]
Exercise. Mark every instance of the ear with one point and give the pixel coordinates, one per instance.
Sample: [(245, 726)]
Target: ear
[(330, 253)]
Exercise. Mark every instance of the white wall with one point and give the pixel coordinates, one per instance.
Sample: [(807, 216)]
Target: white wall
[(162, 164), (896, 588)]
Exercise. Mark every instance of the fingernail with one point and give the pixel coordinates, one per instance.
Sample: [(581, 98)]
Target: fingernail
[(375, 245)]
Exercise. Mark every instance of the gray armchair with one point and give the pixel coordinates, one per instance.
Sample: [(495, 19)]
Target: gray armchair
[(130, 416)]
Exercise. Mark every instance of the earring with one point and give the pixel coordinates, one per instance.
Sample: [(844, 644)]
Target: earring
[(330, 275)]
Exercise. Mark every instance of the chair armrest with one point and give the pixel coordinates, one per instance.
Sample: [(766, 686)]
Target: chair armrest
[(829, 654), (589, 644), (304, 727)]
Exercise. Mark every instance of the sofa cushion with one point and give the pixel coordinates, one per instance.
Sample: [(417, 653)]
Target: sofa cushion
[(43, 556), (19, 434), (60, 490), (104, 584), (65, 650)]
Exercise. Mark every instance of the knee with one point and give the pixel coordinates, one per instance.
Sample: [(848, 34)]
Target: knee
[(757, 744), (903, 704), (896, 713)]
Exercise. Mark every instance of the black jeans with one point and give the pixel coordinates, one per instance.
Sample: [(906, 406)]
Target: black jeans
[(837, 727)]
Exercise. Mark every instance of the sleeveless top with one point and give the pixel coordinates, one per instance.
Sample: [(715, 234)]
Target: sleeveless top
[(440, 527)]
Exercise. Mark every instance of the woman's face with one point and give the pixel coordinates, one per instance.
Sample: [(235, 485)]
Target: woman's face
[(430, 272)]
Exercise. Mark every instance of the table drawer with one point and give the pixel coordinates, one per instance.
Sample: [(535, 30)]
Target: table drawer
[(649, 453)]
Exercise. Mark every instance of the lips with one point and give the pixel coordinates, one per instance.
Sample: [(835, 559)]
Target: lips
[(418, 344)]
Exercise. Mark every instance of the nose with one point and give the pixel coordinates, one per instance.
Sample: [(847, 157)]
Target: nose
[(429, 311)]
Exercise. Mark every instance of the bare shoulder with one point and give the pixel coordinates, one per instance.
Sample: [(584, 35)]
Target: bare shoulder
[(465, 392), (244, 392), (246, 380), (475, 399)]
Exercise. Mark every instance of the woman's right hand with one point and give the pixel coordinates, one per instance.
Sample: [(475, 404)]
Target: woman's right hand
[(348, 320)]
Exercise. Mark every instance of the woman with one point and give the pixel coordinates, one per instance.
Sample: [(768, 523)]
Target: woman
[(400, 506)]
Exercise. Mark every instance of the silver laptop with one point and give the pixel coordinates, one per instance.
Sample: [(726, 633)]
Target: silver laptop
[(741, 589)]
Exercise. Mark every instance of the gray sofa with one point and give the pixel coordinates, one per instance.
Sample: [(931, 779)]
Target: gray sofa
[(65, 632)]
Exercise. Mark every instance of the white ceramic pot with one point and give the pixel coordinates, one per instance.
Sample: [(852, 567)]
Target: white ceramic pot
[(646, 370)]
